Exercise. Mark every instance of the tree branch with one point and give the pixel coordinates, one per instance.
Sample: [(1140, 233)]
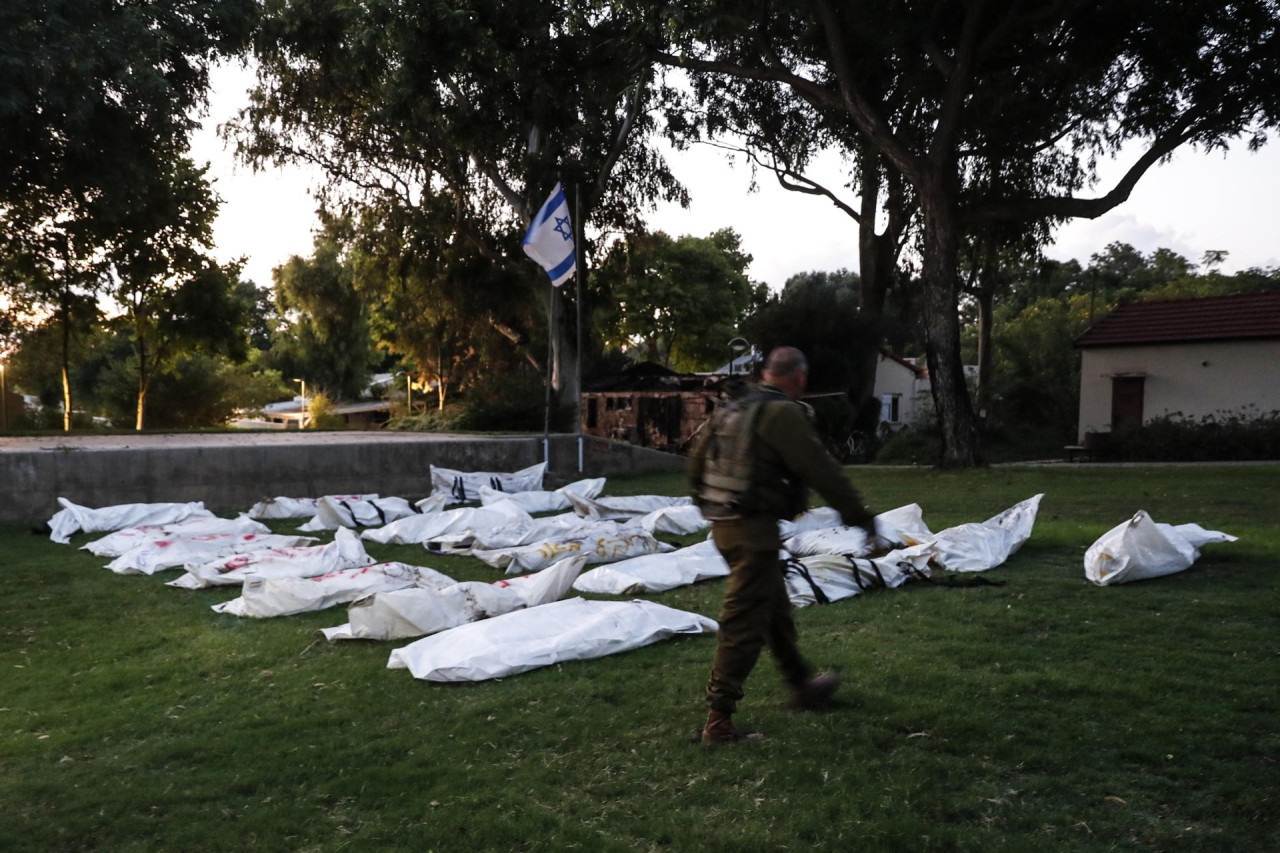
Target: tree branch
[(619, 144), (957, 85), (808, 89), (789, 179), (856, 103), (1085, 208), (513, 198)]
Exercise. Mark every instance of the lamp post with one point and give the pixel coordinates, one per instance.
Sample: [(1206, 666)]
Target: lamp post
[(4, 399), (408, 389), (302, 418), (737, 346)]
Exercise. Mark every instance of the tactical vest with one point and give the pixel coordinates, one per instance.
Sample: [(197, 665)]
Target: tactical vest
[(730, 476)]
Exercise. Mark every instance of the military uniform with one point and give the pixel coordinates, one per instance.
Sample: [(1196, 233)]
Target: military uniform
[(749, 468)]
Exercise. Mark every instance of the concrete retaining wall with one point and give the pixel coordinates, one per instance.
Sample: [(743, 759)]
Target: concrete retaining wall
[(230, 472)]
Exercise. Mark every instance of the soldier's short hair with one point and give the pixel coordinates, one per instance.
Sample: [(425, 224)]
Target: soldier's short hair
[(785, 361)]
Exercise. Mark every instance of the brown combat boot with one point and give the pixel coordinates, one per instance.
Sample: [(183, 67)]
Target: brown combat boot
[(816, 692), (720, 729)]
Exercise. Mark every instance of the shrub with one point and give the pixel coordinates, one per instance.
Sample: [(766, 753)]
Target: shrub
[(320, 413), (447, 419), (913, 445), (504, 403), (1178, 438)]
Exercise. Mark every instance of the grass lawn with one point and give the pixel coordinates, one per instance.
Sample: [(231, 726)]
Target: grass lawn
[(1045, 714)]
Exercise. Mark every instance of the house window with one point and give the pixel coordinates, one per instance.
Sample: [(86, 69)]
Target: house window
[(591, 413), (890, 408)]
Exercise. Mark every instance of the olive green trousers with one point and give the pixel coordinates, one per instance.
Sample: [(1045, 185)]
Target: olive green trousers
[(756, 612)]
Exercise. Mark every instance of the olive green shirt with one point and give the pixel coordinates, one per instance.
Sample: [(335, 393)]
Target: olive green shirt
[(790, 456)]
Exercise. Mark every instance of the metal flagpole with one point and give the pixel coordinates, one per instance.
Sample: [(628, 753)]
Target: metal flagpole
[(577, 277), (546, 422)]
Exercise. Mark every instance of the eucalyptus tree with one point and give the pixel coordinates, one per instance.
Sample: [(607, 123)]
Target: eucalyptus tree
[(324, 338), (680, 298), (97, 99), (781, 134), (445, 311), (175, 297), (465, 115), (952, 92)]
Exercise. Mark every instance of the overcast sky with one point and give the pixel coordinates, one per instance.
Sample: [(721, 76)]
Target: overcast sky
[(1196, 202)]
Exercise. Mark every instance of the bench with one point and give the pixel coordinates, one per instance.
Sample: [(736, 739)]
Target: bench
[(1094, 448)]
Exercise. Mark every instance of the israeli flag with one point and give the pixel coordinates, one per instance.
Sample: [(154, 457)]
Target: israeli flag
[(549, 240)]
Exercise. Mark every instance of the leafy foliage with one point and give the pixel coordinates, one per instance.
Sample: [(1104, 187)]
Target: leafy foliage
[(326, 337), (1047, 304), (1177, 438), (463, 117), (681, 299), (817, 312), (994, 114), (434, 303), (196, 390)]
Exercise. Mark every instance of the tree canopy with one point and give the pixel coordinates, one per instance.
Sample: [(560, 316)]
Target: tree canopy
[(994, 112), (680, 298)]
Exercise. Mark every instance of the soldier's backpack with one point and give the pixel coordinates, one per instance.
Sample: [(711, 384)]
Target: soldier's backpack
[(728, 476)]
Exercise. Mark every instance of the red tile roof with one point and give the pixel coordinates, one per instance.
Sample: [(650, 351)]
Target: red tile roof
[(1210, 318), (917, 369)]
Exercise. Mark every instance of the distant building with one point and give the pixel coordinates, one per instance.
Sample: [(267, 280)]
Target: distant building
[(902, 387), (1195, 357), (651, 406), (743, 365), (290, 414)]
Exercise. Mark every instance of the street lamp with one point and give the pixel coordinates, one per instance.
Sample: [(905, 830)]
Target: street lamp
[(737, 346), (4, 399), (302, 419)]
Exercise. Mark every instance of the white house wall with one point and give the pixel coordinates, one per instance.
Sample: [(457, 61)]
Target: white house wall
[(1195, 379), (893, 377)]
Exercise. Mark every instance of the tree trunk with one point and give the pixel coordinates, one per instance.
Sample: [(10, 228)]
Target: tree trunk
[(986, 301), (988, 278), (66, 359), (142, 385), (441, 391), (564, 352), (877, 260), (942, 323)]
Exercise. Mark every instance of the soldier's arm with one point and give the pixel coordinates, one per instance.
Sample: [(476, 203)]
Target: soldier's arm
[(796, 441), (697, 459)]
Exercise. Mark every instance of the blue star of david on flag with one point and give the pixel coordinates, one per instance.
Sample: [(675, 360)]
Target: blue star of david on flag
[(549, 240), (563, 228)]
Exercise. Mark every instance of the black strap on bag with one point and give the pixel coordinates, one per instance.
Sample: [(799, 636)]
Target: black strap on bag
[(459, 490), (355, 522), (795, 567), (863, 582)]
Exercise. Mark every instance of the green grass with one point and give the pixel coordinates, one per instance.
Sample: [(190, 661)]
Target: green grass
[(1042, 715)]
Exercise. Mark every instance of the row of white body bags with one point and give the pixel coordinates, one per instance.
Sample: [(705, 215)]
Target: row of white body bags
[(444, 604)]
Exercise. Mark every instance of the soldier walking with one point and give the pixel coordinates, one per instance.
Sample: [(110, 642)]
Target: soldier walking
[(751, 467)]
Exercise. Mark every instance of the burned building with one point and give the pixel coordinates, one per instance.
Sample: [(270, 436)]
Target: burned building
[(651, 406)]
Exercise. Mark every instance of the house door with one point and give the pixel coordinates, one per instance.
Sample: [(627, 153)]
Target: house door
[(1126, 402)]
